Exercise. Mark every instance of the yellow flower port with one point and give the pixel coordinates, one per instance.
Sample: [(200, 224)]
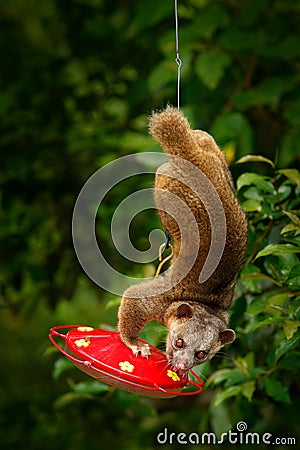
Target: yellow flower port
[(126, 366), (85, 329), (84, 342), (173, 375)]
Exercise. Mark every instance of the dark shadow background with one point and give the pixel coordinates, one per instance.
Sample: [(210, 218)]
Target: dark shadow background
[(77, 82)]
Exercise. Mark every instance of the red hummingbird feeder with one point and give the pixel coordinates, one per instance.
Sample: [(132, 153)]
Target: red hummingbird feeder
[(102, 355)]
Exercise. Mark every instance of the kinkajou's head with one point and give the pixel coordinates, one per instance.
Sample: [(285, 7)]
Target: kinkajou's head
[(192, 340)]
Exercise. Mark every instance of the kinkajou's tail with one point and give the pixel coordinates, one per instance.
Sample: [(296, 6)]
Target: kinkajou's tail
[(172, 131)]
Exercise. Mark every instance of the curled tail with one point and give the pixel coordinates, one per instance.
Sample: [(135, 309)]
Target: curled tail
[(171, 130)]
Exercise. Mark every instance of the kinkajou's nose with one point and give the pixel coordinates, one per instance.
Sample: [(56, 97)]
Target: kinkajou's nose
[(181, 367)]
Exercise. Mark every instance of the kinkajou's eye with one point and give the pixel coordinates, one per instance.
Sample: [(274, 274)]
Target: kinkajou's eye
[(179, 343), (201, 354)]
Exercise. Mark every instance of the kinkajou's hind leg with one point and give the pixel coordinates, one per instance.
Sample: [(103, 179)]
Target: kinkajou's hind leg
[(208, 144)]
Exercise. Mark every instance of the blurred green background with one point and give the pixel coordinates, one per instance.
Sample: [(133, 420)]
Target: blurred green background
[(78, 79)]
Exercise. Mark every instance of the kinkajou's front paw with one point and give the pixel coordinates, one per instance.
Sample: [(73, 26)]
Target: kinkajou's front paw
[(143, 349)]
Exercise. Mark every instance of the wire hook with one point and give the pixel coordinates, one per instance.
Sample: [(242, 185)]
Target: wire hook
[(161, 249)]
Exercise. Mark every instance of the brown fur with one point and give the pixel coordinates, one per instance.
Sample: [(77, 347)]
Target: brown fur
[(195, 312)]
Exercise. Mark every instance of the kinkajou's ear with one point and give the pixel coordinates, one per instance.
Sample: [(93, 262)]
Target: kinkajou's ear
[(184, 310), (227, 336)]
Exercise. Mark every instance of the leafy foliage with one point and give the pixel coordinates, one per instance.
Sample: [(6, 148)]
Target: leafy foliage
[(268, 291), (77, 82)]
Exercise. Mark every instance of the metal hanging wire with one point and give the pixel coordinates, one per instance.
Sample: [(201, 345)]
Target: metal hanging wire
[(177, 59)]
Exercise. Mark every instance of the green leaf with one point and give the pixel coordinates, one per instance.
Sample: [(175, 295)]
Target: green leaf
[(237, 311), (293, 279), (253, 193), (255, 158), (211, 18), (251, 205), (113, 303), (218, 376), (61, 365), (237, 378), (277, 390), (261, 181), (90, 387), (275, 249), (268, 92), (146, 16), (261, 276), (291, 174), (264, 323), (283, 193), (232, 391), (280, 265), (233, 127), (287, 345), (155, 333), (69, 398), (220, 419), (240, 41), (251, 284), (294, 308), (248, 389), (288, 149), (290, 361), (290, 228), (293, 217), (134, 141), (292, 114), (161, 75), (211, 66), (257, 305), (249, 360), (278, 301), (290, 327)]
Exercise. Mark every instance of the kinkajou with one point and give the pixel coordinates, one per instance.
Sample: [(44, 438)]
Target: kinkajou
[(195, 313)]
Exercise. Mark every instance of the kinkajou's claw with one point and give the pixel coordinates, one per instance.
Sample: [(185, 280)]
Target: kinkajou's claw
[(143, 349)]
